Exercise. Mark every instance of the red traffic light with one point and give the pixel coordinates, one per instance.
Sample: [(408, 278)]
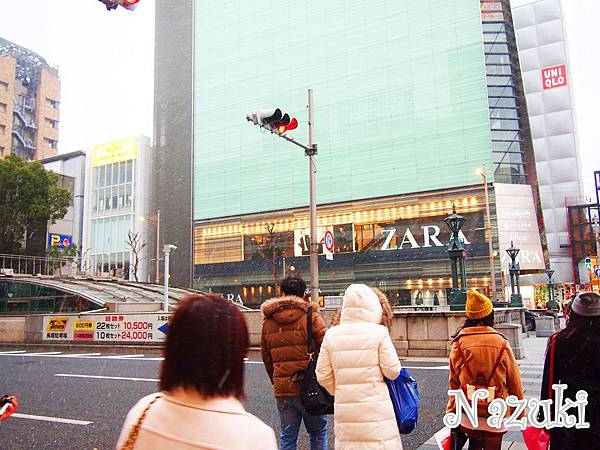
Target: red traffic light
[(129, 4), (290, 126)]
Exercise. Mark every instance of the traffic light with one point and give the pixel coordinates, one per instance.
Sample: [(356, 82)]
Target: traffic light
[(127, 4), (273, 120), (588, 263)]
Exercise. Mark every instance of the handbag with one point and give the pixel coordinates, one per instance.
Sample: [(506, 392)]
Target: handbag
[(539, 438), (315, 399), (135, 430), (405, 399)]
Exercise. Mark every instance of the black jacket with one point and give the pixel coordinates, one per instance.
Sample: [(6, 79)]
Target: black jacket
[(576, 364)]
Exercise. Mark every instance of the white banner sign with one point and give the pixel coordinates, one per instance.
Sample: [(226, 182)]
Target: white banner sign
[(106, 327), (302, 240), (517, 223)]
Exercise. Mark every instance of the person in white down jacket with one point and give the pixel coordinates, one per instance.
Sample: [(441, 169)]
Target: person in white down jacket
[(354, 358)]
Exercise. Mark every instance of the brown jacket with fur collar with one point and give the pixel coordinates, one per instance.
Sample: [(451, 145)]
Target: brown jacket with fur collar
[(283, 344)]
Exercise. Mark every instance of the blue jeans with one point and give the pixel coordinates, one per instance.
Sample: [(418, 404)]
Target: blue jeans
[(291, 413)]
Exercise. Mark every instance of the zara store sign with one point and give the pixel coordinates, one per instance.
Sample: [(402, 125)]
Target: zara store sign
[(429, 233)]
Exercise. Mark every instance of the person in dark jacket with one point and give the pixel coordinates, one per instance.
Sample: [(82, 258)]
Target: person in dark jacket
[(576, 364), (285, 354)]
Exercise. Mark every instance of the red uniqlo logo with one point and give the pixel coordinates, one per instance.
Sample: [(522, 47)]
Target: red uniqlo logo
[(555, 76)]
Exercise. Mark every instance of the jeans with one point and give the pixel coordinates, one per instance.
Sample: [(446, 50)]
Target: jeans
[(291, 414)]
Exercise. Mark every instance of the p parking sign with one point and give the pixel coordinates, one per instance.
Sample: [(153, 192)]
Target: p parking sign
[(59, 240)]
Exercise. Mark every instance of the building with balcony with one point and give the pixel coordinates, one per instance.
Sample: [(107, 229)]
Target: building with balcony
[(29, 103)]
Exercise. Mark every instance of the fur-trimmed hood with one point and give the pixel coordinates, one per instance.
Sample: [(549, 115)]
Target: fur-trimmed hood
[(286, 309)]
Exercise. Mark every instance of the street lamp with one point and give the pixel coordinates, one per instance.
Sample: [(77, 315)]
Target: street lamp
[(551, 305), (481, 171), (514, 270), (157, 221), (167, 251), (457, 252)]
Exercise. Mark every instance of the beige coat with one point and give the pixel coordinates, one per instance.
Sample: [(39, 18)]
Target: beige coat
[(354, 358), (186, 423)]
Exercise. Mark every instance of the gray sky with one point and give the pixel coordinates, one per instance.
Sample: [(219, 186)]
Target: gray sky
[(105, 60)]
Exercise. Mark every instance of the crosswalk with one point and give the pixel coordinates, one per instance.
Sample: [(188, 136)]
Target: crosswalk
[(90, 355)]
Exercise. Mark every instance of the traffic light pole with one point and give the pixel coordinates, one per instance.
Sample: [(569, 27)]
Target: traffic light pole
[(310, 150), (314, 244)]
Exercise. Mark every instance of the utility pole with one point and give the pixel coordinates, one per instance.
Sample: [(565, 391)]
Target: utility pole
[(314, 244), (157, 277), (167, 251)]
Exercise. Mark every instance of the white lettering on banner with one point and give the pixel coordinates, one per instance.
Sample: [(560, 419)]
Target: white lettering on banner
[(428, 238), (409, 238), (235, 299)]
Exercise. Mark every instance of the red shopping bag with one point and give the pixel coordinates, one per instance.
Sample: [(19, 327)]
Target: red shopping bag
[(444, 438), (536, 438)]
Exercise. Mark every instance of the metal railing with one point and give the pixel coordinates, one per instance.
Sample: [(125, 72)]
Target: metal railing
[(37, 265)]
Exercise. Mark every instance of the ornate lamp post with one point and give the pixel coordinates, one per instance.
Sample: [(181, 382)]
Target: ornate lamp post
[(551, 305), (514, 269), (457, 254)]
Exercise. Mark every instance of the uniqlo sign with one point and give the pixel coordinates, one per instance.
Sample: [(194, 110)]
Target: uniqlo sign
[(555, 76)]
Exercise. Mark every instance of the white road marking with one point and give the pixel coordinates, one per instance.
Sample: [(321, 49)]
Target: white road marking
[(80, 355), (124, 356), (102, 377), (12, 352), (51, 419), (43, 354)]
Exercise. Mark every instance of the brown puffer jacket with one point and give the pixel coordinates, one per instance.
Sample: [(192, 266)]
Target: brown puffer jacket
[(283, 345)]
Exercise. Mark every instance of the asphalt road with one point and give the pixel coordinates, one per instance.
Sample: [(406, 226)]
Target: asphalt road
[(94, 407)]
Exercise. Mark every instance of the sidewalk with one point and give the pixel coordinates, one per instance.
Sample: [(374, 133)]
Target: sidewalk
[(531, 367)]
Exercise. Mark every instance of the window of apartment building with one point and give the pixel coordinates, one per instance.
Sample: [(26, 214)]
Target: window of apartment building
[(51, 143), (51, 103), (2, 129), (3, 86), (2, 107), (112, 187), (51, 123)]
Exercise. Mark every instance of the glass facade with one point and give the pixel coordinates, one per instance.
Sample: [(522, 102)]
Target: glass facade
[(400, 100), (397, 244), (505, 100), (21, 297)]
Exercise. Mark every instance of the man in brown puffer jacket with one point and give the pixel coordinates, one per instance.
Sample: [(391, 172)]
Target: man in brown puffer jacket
[(284, 352)]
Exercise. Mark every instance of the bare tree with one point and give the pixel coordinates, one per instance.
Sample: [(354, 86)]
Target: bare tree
[(136, 244), (272, 251)]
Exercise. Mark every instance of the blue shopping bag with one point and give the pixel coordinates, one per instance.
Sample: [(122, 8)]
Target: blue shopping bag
[(405, 398)]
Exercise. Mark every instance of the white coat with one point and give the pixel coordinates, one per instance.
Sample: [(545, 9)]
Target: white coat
[(354, 358), (185, 423)]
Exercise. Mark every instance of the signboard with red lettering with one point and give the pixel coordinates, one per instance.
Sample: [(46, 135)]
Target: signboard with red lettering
[(107, 327), (555, 76)]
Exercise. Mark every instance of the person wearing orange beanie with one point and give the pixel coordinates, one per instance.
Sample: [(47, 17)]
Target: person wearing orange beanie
[(481, 358)]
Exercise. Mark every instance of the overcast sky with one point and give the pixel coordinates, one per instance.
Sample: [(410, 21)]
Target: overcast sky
[(105, 60)]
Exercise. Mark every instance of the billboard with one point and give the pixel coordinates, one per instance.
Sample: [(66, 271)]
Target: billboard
[(400, 101), (59, 240), (517, 223), (115, 151)]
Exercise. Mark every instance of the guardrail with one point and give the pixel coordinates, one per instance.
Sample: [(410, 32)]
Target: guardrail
[(36, 265)]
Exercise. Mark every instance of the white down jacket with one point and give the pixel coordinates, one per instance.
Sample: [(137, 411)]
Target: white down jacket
[(354, 358)]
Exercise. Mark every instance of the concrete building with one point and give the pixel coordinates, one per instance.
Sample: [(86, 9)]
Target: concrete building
[(29, 103), (541, 40), (70, 167), (117, 197), (410, 101)]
